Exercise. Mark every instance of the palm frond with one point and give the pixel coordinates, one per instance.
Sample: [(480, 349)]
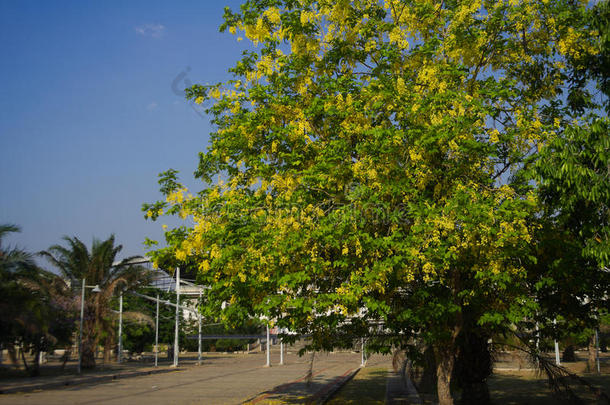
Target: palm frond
[(558, 377), (139, 317), (6, 229)]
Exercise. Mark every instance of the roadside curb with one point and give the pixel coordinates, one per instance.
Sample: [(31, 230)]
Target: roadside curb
[(319, 397), (400, 390), (326, 393), (83, 380)]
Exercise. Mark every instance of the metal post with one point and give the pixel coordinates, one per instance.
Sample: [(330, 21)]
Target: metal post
[(362, 357), (597, 350), (120, 356), (281, 352), (268, 348), (80, 330), (199, 338), (557, 360), (176, 348), (157, 334), (537, 343)]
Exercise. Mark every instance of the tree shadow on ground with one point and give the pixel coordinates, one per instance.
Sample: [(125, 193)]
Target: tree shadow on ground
[(368, 387), (529, 388)]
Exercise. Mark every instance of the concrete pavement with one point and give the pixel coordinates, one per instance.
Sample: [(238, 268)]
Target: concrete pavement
[(221, 379)]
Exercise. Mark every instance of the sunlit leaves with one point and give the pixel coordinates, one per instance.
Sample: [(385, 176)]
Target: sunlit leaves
[(367, 158)]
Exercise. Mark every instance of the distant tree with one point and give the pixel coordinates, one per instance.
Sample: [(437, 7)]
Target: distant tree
[(139, 330), (97, 267)]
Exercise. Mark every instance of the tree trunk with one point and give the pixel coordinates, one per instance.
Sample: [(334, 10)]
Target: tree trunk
[(473, 366), (445, 360), (12, 354), (35, 370), (88, 355), (88, 347), (25, 363), (591, 358), (65, 357), (90, 341), (108, 345)]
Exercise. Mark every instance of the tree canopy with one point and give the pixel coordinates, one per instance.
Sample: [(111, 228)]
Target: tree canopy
[(371, 167)]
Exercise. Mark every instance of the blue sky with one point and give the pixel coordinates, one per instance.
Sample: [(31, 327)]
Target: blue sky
[(88, 116)]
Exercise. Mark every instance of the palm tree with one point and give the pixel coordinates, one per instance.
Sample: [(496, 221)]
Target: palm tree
[(13, 260), (32, 310), (76, 262), (13, 263)]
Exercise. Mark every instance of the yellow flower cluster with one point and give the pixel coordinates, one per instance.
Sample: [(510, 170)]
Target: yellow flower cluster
[(398, 37)]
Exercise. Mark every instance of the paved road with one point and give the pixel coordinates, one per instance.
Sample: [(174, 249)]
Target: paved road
[(222, 379)]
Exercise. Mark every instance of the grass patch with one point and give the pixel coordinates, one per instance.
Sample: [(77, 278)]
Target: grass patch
[(367, 387), (515, 387), (528, 387)]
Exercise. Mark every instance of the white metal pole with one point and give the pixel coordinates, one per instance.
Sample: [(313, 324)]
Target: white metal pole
[(120, 356), (557, 360), (537, 343), (80, 330), (157, 334), (281, 352), (362, 360), (199, 336), (597, 350), (176, 348), (268, 348)]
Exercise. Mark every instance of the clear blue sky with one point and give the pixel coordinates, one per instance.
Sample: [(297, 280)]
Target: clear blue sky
[(88, 116)]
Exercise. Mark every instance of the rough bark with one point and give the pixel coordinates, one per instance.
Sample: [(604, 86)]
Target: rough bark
[(35, 369), (90, 338), (108, 345), (445, 361), (25, 363), (12, 354), (65, 357), (569, 354), (473, 367), (88, 356), (427, 380), (88, 345)]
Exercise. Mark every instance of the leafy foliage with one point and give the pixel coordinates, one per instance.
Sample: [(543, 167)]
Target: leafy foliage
[(36, 312), (369, 165), (573, 171)]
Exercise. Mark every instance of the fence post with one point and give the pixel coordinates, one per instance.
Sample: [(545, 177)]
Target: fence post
[(176, 348), (120, 354), (157, 335)]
